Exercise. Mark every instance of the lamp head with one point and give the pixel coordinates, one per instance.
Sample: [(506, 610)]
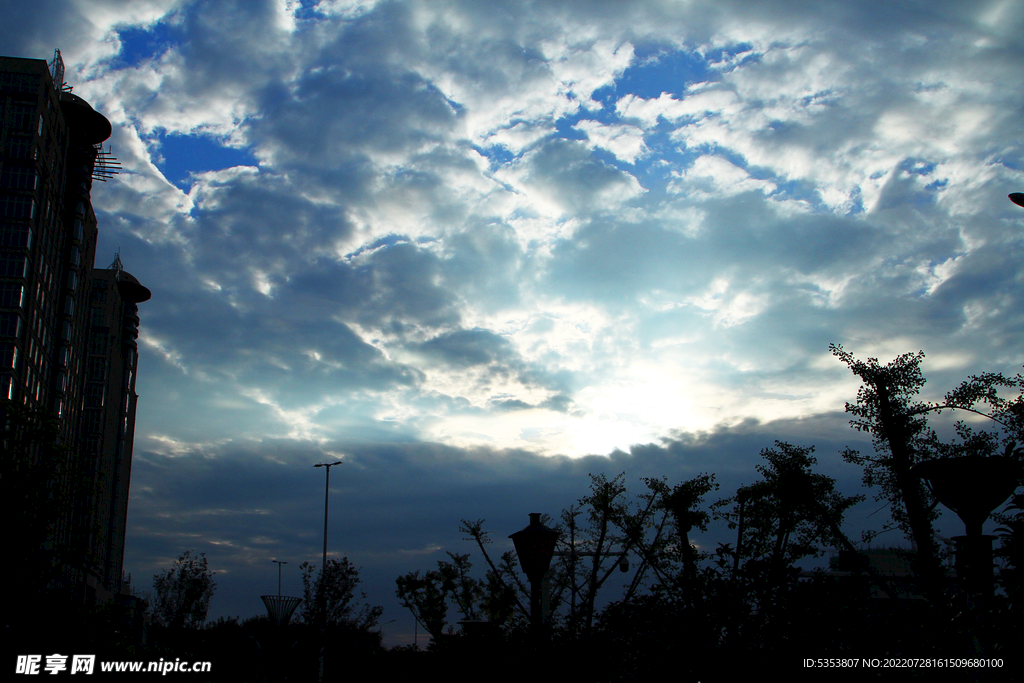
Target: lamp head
[(972, 487)]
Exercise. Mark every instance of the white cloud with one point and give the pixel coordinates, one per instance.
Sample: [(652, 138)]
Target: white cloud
[(625, 142), (719, 178)]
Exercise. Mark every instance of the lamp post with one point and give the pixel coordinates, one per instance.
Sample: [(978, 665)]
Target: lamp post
[(535, 546), (279, 563), (1017, 198), (321, 605), (327, 493), (280, 608)]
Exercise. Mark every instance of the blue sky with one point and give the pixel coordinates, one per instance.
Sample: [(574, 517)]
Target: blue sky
[(479, 250)]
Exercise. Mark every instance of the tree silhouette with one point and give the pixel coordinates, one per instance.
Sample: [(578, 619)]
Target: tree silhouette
[(183, 592), (791, 513), (337, 588), (887, 408)]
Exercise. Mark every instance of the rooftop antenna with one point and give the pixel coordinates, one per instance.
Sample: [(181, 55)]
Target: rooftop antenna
[(106, 165), (116, 265), (57, 72)]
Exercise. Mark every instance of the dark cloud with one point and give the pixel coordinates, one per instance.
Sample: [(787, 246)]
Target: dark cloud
[(333, 113), (397, 507), (468, 347), (569, 176)]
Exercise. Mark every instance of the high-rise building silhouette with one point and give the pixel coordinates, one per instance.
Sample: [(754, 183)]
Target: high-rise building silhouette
[(108, 426), (67, 331)]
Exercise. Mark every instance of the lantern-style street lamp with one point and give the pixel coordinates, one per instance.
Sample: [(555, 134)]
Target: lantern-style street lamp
[(535, 546)]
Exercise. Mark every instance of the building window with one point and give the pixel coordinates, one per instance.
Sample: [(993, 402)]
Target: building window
[(21, 116), (16, 236), (97, 371), (18, 147), (13, 265), (8, 356), (93, 422), (11, 295), (18, 207), (27, 83), (98, 342), (94, 395), (19, 178), (10, 325)]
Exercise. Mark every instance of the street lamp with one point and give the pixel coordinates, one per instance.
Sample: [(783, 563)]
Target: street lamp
[(972, 487), (535, 546), (280, 608), (1017, 198), (327, 493), (321, 607)]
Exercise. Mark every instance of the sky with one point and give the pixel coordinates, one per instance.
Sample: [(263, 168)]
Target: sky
[(479, 250)]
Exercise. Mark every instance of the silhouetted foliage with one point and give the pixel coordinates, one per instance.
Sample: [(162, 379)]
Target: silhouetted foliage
[(505, 596), (886, 407), (183, 592), (336, 587), (430, 596), (792, 513), (1012, 550)]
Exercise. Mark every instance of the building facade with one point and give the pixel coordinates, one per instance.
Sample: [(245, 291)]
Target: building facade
[(67, 330), (111, 359)]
